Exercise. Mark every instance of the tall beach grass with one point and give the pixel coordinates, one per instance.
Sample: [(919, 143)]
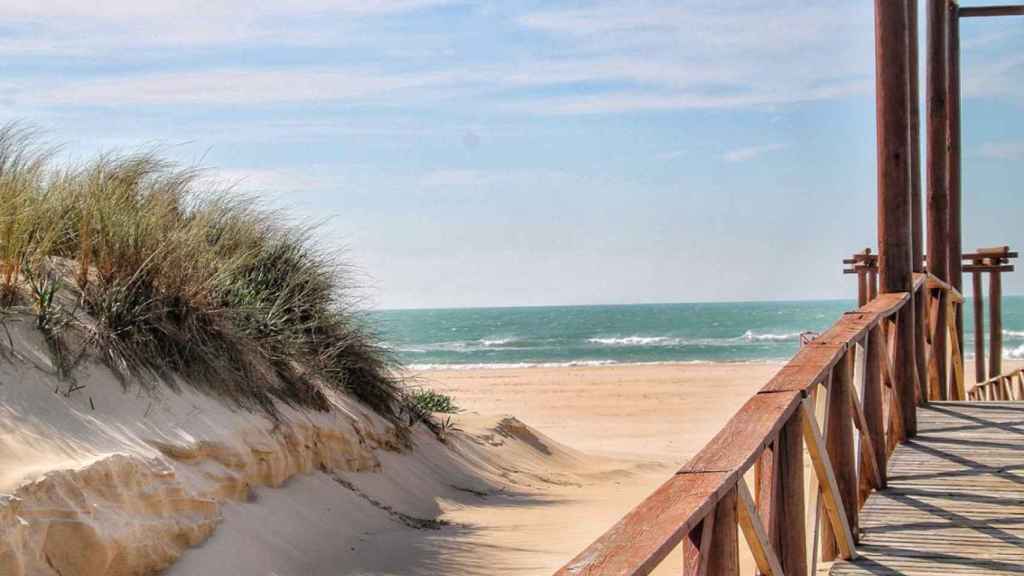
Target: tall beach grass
[(161, 273)]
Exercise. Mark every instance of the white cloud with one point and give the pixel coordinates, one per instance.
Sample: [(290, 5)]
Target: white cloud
[(1006, 150), (605, 58), (751, 152), (73, 27)]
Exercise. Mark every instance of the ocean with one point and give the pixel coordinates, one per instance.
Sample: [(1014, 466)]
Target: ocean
[(637, 333)]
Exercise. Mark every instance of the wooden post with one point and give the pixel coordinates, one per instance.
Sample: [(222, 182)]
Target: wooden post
[(862, 287), (788, 521), (839, 444), (768, 489), (724, 551), (995, 320), (894, 202), (697, 546), (979, 327), (917, 218), (938, 196), (953, 166), (873, 408), (872, 283)]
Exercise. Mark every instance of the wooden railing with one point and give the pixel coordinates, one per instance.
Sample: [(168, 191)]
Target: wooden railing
[(843, 398), (1009, 386)]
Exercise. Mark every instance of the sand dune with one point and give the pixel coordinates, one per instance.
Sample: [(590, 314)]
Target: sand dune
[(101, 481)]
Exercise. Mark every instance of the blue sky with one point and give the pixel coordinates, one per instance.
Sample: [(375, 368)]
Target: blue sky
[(524, 153)]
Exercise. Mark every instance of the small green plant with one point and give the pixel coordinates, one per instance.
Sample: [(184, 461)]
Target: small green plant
[(429, 401)]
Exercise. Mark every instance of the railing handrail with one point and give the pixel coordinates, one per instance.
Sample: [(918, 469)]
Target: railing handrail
[(1006, 386), (701, 505), (645, 536)]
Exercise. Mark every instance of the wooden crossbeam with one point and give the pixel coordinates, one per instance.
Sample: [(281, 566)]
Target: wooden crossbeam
[(826, 477), (755, 533), (954, 346), (988, 268), (867, 446), (986, 11), (989, 253)]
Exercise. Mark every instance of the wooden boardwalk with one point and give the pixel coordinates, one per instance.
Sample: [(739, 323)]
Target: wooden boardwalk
[(955, 501)]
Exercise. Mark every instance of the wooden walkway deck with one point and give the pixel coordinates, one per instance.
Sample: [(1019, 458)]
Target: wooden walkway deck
[(955, 501)]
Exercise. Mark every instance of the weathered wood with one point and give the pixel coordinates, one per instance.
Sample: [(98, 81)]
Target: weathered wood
[(839, 443), (884, 306), (862, 287), (995, 321), (932, 300), (953, 505), (979, 328), (724, 555), (755, 533), (937, 162), (818, 401), (917, 218), (957, 385), (831, 496), (893, 138), (982, 253), (643, 538), (983, 11), (814, 361), (919, 280), (735, 448), (768, 492), (873, 410), (893, 167), (788, 520), (903, 361), (953, 179), (868, 456), (696, 547), (989, 268), (896, 432), (935, 283)]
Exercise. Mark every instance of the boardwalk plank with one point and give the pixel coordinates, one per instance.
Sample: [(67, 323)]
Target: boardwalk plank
[(955, 501)]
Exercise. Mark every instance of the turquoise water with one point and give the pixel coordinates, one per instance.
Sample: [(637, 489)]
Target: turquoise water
[(564, 335)]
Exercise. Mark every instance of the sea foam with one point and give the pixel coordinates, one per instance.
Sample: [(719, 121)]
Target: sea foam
[(752, 336), (636, 341)]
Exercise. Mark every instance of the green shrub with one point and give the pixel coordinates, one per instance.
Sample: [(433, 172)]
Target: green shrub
[(183, 277), (429, 401)]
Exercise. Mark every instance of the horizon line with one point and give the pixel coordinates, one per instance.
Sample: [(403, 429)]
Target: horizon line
[(623, 304)]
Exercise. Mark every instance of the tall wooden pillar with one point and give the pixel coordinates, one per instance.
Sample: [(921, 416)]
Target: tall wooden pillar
[(938, 197), (953, 165), (916, 216), (995, 321), (979, 327), (894, 203)]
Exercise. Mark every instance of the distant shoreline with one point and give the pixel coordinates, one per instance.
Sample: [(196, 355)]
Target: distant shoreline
[(586, 364)]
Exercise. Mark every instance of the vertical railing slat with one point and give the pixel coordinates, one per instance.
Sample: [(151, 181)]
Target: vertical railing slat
[(839, 443)]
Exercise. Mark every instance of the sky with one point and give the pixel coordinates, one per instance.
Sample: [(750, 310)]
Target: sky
[(485, 153)]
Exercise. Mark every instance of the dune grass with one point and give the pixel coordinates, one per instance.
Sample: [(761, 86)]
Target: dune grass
[(431, 401), (164, 274)]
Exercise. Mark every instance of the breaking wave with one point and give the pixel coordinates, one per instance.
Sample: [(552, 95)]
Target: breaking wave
[(752, 336)]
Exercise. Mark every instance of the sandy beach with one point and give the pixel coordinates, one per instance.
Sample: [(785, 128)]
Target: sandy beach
[(647, 419), (654, 417)]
